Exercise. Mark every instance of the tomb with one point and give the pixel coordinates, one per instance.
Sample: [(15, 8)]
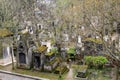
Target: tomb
[(61, 69), (7, 51), (82, 73), (63, 53), (39, 58), (71, 53), (6, 47), (22, 55), (48, 44), (25, 45), (51, 61), (36, 60), (93, 46)]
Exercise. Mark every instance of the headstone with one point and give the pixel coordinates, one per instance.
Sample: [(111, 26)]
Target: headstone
[(66, 37), (79, 39), (31, 30)]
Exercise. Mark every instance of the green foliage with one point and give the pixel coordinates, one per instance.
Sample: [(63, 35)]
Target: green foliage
[(99, 60), (54, 50), (88, 59), (71, 51), (62, 3), (95, 61)]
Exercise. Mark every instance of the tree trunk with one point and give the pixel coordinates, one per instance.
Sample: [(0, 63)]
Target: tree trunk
[(115, 73), (12, 59)]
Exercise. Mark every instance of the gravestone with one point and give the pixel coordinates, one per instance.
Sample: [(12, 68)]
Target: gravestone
[(51, 61)]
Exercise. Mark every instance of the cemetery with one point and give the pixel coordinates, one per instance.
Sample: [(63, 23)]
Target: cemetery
[(60, 39), (46, 58), (27, 54)]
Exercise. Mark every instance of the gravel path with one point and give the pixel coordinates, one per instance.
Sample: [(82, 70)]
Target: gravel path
[(70, 75)]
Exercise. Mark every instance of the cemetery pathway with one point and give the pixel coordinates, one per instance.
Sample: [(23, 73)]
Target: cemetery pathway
[(12, 77), (70, 75), (5, 75)]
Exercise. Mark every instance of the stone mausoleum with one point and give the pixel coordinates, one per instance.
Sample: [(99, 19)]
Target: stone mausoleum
[(6, 47)]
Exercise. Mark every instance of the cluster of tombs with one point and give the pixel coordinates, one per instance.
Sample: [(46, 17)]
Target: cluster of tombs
[(37, 58), (29, 53), (41, 57), (38, 55)]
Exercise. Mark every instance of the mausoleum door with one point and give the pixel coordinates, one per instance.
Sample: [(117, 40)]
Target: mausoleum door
[(37, 61), (22, 58)]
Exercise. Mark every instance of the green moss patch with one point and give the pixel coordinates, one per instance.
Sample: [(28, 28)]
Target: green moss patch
[(5, 32), (99, 41)]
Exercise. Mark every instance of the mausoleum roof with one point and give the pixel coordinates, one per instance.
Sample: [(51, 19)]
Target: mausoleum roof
[(49, 53), (42, 48), (4, 32), (99, 41)]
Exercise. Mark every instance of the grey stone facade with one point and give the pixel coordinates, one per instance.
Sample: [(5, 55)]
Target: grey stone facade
[(22, 56)]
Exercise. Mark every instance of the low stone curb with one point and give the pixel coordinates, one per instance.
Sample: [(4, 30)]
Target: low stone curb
[(22, 75)]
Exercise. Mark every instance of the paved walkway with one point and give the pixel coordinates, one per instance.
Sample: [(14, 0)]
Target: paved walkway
[(70, 75), (5, 75), (12, 77)]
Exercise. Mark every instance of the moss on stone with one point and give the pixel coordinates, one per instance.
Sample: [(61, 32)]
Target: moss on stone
[(42, 48), (49, 53), (99, 41), (4, 32)]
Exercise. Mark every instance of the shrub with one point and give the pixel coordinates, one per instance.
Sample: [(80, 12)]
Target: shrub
[(95, 61), (89, 61), (54, 50), (71, 50), (99, 60)]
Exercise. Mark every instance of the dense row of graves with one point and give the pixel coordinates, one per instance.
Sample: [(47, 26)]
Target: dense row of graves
[(36, 58), (37, 54)]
